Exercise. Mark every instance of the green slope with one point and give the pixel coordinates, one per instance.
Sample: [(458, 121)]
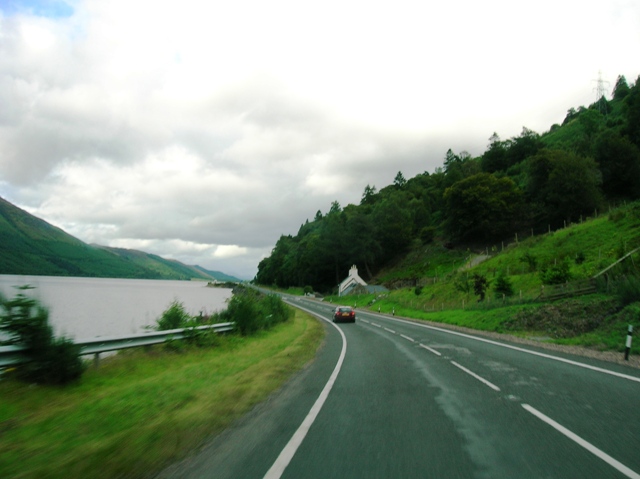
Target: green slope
[(31, 246)]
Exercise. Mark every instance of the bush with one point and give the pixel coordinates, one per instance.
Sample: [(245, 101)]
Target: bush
[(480, 285), (530, 260), (51, 360), (427, 234), (627, 289), (273, 310), (244, 312), (503, 286), (173, 317), (253, 311), (556, 274)]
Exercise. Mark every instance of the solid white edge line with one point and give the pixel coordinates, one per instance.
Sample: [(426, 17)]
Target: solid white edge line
[(587, 445), (523, 350), (390, 330), (408, 338), (283, 460), (437, 353), (479, 378)]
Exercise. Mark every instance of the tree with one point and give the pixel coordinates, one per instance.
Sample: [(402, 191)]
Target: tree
[(619, 161), (632, 102), (482, 207), (368, 196), (522, 147), (399, 180), (503, 286), (480, 285), (495, 158), (393, 225), (25, 322), (564, 184), (621, 89)]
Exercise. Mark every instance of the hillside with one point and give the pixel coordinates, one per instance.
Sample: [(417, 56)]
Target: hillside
[(31, 246), (523, 186), (528, 284)]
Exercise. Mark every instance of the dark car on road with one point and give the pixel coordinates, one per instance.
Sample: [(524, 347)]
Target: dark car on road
[(344, 313)]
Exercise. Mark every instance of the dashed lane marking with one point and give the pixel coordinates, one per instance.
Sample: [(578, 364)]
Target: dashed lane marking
[(479, 378)]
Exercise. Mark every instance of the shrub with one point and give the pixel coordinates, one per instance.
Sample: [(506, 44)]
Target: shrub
[(556, 274), (252, 311), (173, 317), (51, 360), (503, 286), (243, 311), (418, 290), (427, 234), (530, 260), (274, 310), (627, 289), (480, 285), (462, 283)]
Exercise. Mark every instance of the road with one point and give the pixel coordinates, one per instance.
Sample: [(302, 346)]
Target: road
[(391, 398)]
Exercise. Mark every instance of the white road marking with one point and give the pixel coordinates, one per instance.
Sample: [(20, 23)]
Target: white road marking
[(523, 350), (376, 325), (283, 460), (437, 353), (364, 320), (408, 338), (587, 445), (390, 330), (479, 378)]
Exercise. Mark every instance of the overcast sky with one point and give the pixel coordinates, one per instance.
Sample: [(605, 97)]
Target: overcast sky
[(203, 130)]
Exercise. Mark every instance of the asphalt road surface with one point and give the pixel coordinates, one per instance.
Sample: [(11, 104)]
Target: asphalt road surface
[(387, 398)]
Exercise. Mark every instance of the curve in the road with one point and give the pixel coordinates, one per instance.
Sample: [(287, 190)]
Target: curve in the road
[(283, 460)]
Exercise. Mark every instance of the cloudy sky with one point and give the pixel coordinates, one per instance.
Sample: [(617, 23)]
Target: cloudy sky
[(203, 130)]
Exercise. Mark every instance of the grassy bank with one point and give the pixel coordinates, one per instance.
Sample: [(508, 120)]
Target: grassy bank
[(144, 409), (595, 321)]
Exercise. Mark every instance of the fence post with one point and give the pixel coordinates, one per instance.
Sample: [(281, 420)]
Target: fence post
[(628, 348)]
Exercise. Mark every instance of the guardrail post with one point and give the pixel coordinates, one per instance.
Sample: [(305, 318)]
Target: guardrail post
[(96, 360), (628, 348)]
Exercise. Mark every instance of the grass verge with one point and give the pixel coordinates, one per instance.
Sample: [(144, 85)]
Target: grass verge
[(142, 410)]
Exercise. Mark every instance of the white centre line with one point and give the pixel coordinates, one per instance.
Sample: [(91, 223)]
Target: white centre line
[(408, 338), (364, 321), (376, 325), (390, 330), (437, 353), (491, 385), (587, 445), (523, 350)]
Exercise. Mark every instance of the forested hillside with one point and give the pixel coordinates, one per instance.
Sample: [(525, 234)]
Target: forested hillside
[(31, 246), (525, 184)]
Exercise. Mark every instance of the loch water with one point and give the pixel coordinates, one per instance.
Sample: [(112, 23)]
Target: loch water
[(83, 308)]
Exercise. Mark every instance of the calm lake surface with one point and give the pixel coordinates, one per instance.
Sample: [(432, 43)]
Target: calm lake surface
[(83, 308)]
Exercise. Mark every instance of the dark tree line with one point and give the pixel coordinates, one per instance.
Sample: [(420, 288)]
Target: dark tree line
[(528, 181)]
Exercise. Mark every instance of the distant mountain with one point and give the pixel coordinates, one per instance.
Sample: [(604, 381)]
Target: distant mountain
[(31, 246), (218, 275)]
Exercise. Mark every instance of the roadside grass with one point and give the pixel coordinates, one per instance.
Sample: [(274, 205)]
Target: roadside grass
[(144, 409)]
